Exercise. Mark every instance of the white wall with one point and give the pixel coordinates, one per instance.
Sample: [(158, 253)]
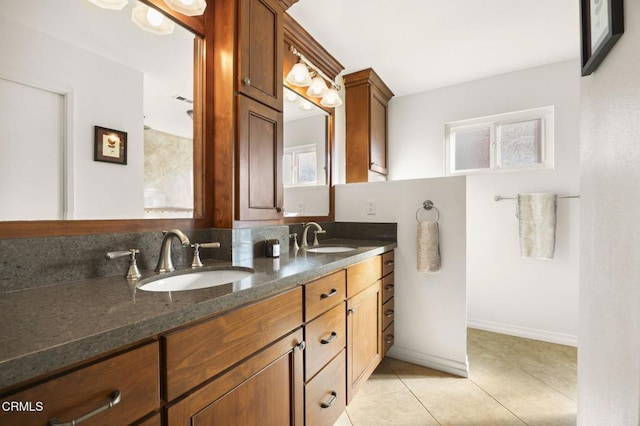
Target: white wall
[(98, 92), (609, 350), (430, 316), (530, 298)]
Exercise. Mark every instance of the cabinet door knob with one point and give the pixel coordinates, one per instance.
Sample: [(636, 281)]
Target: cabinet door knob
[(351, 310), (246, 81), (388, 313), (114, 398), (333, 292), (389, 338), (328, 404), (329, 339), (388, 263), (388, 287), (301, 345), (279, 209)]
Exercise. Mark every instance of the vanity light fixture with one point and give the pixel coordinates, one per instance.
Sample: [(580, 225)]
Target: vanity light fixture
[(149, 19), (305, 105), (187, 7), (300, 76), (110, 4), (289, 95)]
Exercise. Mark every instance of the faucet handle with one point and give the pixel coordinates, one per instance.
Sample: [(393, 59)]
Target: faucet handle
[(294, 236), (197, 263), (133, 272)]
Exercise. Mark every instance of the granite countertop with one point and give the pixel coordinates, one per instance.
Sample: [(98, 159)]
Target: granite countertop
[(48, 328)]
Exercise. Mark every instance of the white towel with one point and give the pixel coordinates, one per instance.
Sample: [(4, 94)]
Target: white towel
[(537, 216), (428, 247)]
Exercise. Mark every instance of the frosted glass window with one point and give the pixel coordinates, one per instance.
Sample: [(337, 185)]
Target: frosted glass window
[(472, 149), (520, 144), (287, 169), (307, 168)]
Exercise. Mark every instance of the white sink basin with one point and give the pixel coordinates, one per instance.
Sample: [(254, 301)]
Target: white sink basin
[(330, 249), (195, 280)]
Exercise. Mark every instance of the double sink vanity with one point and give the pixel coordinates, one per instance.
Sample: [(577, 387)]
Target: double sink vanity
[(289, 341)]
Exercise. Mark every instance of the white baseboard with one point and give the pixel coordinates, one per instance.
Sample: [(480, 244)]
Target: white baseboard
[(430, 361), (529, 333)]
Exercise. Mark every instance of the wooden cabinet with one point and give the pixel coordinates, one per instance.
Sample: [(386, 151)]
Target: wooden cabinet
[(134, 375), (264, 389), (366, 100), (388, 301), (364, 322), (246, 51), (325, 337), (260, 41), (259, 162)]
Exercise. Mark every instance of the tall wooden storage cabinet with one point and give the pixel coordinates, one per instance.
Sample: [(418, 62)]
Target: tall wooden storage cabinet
[(366, 100)]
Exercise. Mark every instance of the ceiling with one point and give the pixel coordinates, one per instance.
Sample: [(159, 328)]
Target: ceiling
[(419, 45)]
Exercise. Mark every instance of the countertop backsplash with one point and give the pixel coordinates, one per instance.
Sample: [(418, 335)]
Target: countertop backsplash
[(38, 262)]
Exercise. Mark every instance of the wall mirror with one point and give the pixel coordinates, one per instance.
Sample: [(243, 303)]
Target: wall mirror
[(100, 118), (305, 157)]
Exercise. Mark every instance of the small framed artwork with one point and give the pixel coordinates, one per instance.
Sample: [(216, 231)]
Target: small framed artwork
[(602, 23), (110, 146)]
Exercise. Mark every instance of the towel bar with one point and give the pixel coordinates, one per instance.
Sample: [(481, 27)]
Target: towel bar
[(427, 205), (500, 197)]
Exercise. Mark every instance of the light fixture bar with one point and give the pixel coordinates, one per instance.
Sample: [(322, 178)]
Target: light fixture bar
[(309, 64)]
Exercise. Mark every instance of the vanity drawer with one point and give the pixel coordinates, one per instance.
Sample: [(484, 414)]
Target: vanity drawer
[(323, 294), (134, 374), (363, 274), (325, 395), (387, 263), (388, 287), (325, 338), (197, 353), (387, 313), (387, 339)]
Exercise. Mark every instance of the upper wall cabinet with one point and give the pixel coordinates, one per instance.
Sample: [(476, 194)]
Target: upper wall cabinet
[(366, 100), (260, 51)]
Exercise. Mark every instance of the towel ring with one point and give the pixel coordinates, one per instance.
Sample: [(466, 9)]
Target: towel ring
[(427, 205)]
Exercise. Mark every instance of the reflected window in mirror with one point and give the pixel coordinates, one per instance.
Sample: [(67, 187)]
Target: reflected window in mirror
[(305, 153), (66, 67)]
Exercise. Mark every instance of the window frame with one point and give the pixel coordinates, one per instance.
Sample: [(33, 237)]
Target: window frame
[(295, 152), (493, 122)]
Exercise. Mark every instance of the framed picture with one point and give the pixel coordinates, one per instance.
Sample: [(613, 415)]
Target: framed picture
[(602, 24), (110, 146)]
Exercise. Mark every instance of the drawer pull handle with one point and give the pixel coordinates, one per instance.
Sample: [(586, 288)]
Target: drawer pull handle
[(328, 404), (333, 292), (388, 263), (388, 287), (388, 313), (330, 339), (114, 399), (389, 338)]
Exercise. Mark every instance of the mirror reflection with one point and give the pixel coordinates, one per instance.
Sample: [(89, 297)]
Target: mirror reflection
[(67, 67), (304, 165)]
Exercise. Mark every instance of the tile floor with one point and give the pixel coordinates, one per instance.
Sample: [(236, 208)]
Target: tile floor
[(513, 381)]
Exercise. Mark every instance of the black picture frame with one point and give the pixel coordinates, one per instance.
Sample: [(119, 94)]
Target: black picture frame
[(603, 19), (110, 146)]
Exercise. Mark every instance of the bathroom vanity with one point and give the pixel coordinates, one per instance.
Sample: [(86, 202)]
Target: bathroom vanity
[(292, 344)]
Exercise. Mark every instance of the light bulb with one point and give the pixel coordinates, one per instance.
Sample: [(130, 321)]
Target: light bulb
[(154, 17)]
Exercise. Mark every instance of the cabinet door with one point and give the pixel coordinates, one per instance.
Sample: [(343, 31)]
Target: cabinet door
[(260, 56), (266, 389), (378, 141), (364, 328), (259, 162)]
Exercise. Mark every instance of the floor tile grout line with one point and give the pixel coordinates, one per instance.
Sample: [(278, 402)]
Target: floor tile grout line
[(414, 395), (496, 400)]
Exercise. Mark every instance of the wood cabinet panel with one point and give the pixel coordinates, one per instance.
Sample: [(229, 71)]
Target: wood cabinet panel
[(325, 394), (387, 262), (323, 294), (363, 274), (195, 354), (260, 44), (388, 339), (364, 331), (135, 374), (152, 421), (325, 337), (387, 313), (388, 286), (259, 162), (267, 388)]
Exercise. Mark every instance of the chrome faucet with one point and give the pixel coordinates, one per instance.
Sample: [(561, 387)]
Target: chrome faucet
[(319, 230), (165, 263)]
